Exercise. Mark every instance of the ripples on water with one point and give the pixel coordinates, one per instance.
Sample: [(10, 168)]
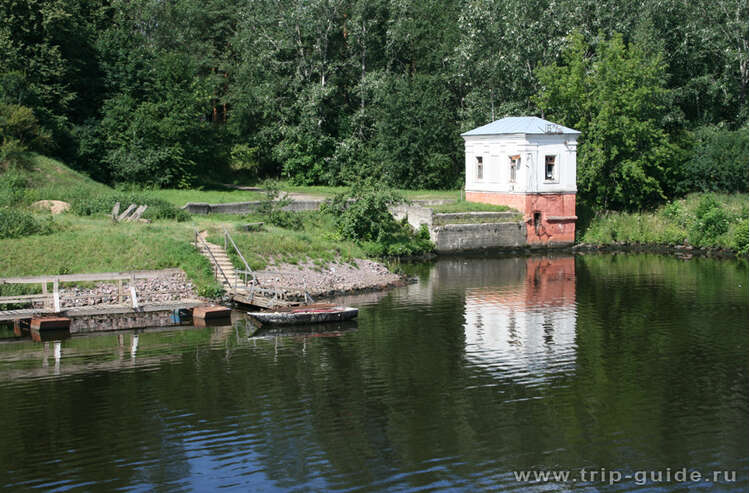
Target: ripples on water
[(485, 367)]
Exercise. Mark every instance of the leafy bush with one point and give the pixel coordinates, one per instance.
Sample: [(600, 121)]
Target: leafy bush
[(12, 188), (13, 153), (719, 161), (15, 223), (741, 231), (362, 215), (711, 221), (272, 207), (243, 160), (20, 123)]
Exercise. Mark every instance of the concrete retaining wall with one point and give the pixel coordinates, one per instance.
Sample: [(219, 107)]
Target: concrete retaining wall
[(246, 207), (447, 237), (463, 237), (473, 217), (416, 215)]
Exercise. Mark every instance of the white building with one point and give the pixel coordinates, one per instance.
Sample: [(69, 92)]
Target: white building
[(529, 164)]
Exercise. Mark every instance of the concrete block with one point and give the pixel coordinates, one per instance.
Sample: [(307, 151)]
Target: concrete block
[(50, 323), (211, 311)]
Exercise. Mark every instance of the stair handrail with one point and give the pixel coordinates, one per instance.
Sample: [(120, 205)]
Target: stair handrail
[(216, 262), (247, 270)]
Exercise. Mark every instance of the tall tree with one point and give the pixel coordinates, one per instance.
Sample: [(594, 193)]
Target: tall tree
[(616, 97)]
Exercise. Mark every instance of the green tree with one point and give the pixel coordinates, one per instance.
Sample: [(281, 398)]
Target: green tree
[(615, 96)]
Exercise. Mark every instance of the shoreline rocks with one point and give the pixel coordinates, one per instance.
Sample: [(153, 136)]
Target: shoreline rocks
[(170, 287), (331, 279)]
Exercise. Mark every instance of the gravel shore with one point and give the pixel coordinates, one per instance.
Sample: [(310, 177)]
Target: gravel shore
[(333, 279), (290, 280), (170, 287)]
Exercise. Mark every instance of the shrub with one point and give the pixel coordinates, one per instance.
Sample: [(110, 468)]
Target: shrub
[(719, 161), (740, 238), (243, 160), (13, 153), (272, 207), (12, 188), (711, 221), (362, 215), (19, 125), (15, 223)]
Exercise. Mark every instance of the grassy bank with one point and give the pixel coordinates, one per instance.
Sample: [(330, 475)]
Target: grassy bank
[(95, 244), (85, 239), (700, 220), (222, 196), (464, 206), (179, 197), (315, 241)]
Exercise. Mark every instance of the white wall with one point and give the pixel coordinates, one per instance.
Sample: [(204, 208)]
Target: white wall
[(519, 340), (496, 151)]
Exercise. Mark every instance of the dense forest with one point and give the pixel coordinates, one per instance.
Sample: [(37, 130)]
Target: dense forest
[(180, 92)]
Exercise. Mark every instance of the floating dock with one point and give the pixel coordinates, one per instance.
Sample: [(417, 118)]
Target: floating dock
[(99, 318)]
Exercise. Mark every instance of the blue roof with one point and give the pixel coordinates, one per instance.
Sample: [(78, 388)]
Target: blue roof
[(520, 125)]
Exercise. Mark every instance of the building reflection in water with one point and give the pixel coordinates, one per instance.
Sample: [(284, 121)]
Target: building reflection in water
[(525, 329)]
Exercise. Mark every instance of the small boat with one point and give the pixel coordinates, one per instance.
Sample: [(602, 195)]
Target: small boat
[(310, 314)]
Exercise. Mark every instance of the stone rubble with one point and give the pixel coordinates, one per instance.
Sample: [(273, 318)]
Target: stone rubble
[(290, 280), (170, 287), (334, 278)]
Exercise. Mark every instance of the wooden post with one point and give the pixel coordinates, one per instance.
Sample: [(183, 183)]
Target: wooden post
[(127, 211), (137, 214), (119, 291), (44, 291), (133, 298), (56, 295)]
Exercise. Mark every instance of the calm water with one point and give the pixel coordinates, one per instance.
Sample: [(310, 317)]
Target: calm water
[(486, 368)]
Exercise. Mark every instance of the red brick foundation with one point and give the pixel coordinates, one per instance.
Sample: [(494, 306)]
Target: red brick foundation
[(550, 217)]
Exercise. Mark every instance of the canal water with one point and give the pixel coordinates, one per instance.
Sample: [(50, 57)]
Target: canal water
[(491, 373)]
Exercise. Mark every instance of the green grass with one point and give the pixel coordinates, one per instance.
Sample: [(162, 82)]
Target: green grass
[(325, 192), (677, 223), (49, 174), (317, 242), (464, 206), (48, 179), (180, 197), (91, 242), (95, 244)]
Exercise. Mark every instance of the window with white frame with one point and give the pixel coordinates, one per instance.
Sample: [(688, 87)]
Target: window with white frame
[(515, 163), (550, 168), (480, 168)]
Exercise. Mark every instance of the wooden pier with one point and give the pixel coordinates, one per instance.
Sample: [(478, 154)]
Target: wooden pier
[(49, 314)]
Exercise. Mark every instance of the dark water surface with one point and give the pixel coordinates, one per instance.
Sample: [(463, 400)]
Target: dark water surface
[(488, 367)]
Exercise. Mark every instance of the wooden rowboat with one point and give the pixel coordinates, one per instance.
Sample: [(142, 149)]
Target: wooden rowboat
[(310, 314)]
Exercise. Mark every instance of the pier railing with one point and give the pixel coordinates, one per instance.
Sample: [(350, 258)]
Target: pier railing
[(247, 270), (52, 297), (200, 243)]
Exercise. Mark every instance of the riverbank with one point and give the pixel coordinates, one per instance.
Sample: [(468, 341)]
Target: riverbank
[(701, 223), (85, 239), (307, 255), (331, 279)]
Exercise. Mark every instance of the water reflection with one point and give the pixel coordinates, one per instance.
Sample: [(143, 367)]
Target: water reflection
[(484, 367), (528, 328)]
